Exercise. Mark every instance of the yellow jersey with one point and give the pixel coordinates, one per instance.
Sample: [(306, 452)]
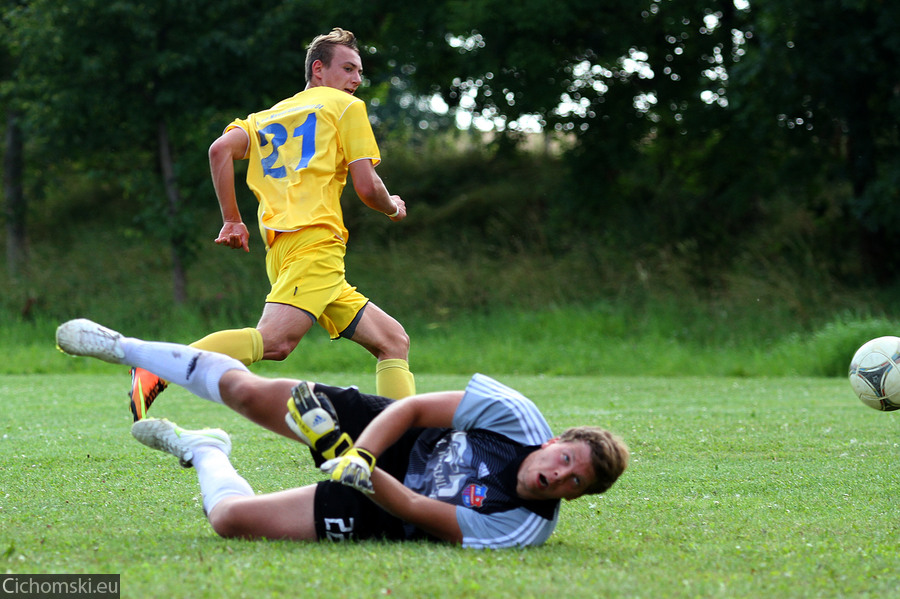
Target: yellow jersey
[(299, 154)]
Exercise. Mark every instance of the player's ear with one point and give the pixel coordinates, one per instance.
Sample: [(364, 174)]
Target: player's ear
[(549, 442)]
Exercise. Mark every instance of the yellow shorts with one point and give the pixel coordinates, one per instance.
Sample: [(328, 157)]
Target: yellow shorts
[(306, 270)]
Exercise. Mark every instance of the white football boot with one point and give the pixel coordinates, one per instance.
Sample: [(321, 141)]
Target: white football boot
[(167, 436), (83, 337)]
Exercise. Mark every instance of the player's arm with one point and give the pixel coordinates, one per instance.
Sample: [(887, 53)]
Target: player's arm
[(424, 410), (434, 517), (373, 192), (228, 147)]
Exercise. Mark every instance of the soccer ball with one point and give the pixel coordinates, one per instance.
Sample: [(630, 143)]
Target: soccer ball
[(875, 373)]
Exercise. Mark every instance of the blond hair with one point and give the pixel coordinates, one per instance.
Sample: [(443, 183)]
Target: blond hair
[(322, 48)]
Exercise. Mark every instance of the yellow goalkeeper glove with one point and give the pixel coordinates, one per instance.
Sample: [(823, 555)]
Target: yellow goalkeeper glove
[(313, 419), (353, 469)]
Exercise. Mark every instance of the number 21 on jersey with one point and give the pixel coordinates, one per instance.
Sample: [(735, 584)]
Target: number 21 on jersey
[(279, 137)]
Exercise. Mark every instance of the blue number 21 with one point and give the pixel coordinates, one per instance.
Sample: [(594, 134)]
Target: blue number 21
[(279, 136)]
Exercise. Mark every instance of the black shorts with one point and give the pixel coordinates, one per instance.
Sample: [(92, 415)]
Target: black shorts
[(343, 513)]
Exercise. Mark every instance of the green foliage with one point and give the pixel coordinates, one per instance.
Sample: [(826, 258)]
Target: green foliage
[(815, 77), (141, 87), (717, 206), (763, 487), (672, 237), (682, 124), (480, 272), (179, 61)]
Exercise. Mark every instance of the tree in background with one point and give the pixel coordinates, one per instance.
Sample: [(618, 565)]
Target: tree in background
[(686, 122), (691, 118), (822, 81), (15, 201), (135, 91)]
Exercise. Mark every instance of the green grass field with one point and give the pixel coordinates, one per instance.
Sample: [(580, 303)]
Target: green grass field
[(755, 471), (738, 487)]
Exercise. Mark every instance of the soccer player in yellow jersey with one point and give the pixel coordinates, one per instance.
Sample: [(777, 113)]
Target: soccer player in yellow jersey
[(300, 152)]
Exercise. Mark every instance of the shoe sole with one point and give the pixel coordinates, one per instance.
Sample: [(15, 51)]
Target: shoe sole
[(83, 337)]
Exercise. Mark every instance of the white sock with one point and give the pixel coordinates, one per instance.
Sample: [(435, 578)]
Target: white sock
[(195, 370), (218, 478)]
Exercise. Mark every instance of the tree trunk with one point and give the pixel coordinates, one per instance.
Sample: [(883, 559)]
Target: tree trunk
[(15, 208), (179, 277)]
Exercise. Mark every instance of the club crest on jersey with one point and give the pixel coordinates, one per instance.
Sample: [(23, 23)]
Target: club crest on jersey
[(473, 495)]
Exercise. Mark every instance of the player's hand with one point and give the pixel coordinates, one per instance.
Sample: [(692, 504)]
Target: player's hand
[(400, 207), (313, 419), (234, 235), (353, 469)]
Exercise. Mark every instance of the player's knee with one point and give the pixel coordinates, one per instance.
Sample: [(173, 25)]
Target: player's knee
[(281, 353), (225, 521), (396, 342), (280, 349), (279, 340), (241, 393)]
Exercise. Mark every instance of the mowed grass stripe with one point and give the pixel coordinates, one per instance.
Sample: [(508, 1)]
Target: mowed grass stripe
[(738, 487)]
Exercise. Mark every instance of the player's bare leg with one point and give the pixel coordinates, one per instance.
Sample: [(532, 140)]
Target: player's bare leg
[(261, 400), (381, 334), (385, 338), (285, 514), (282, 327), (231, 506)]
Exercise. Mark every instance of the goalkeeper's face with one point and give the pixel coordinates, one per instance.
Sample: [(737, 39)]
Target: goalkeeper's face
[(558, 470)]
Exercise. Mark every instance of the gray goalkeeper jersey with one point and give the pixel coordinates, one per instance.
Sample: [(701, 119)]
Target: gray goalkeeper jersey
[(474, 466)]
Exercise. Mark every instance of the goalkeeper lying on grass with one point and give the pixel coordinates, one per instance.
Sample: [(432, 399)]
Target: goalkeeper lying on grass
[(478, 467)]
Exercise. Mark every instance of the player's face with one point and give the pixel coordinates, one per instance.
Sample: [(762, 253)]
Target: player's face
[(345, 71), (558, 470)]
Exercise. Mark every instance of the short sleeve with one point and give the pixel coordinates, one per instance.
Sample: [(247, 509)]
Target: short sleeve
[(490, 405), (357, 137), (514, 528)]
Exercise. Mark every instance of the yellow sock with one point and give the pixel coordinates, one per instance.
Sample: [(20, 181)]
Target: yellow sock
[(245, 345), (393, 379)]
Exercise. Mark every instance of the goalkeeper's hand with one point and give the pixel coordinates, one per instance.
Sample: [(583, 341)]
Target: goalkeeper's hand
[(312, 418), (353, 469)]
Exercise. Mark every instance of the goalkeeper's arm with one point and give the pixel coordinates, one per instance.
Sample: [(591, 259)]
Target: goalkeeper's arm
[(424, 410), (434, 517)]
